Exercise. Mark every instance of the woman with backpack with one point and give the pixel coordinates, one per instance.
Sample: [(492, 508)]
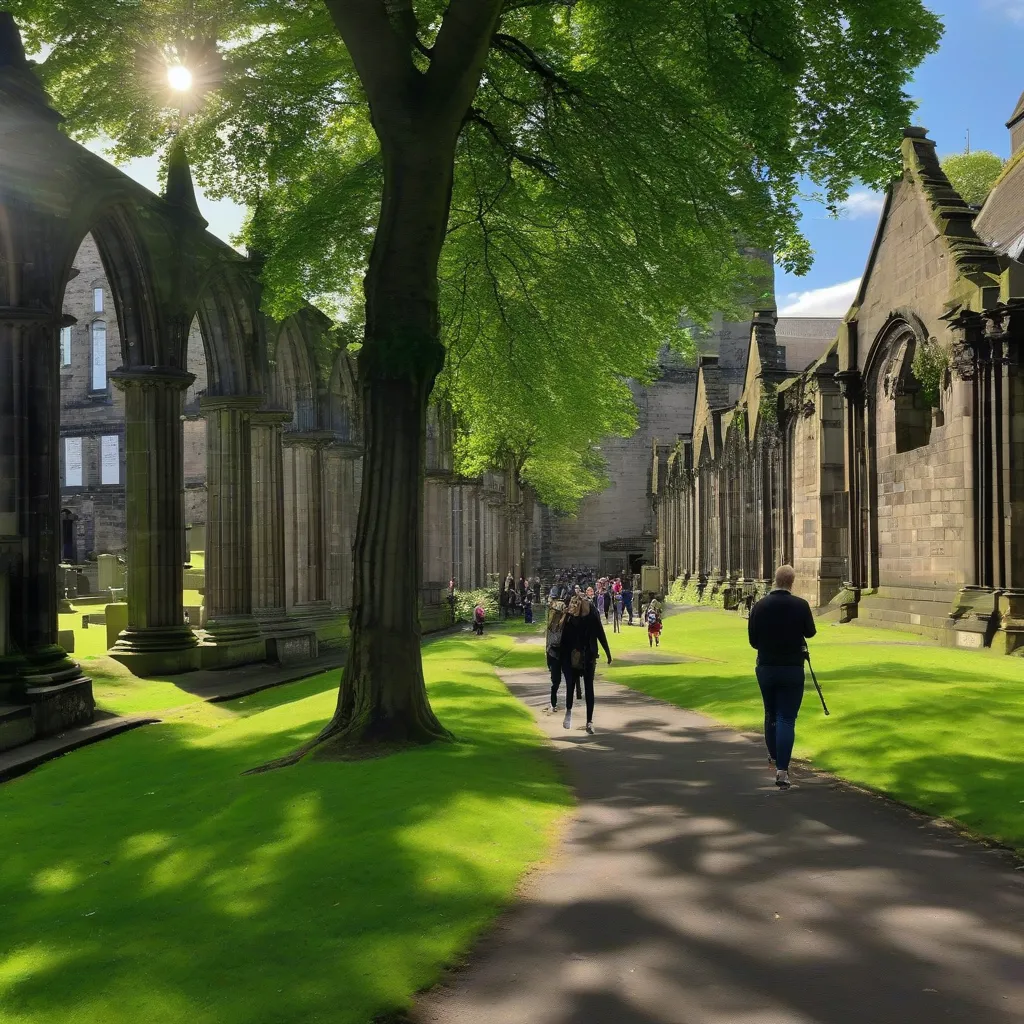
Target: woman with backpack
[(582, 631), (653, 617), (552, 644)]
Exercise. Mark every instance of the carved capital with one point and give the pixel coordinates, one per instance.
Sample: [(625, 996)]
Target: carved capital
[(152, 377)]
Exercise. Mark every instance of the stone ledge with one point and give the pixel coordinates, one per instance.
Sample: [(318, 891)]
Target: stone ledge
[(30, 755)]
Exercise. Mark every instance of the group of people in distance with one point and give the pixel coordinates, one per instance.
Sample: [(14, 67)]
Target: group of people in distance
[(613, 596), (515, 599), (778, 629), (575, 631)]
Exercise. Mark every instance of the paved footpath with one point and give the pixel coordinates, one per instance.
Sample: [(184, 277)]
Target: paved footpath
[(688, 890)]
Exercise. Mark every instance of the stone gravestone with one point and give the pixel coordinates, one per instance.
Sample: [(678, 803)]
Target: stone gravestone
[(117, 620), (111, 574)]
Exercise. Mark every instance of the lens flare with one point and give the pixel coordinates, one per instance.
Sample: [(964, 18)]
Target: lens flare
[(179, 78)]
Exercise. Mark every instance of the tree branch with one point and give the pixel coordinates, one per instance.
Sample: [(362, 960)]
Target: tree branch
[(537, 163), (529, 59), (381, 57), (459, 52)]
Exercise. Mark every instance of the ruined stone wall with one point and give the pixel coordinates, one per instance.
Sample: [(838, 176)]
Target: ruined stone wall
[(88, 413), (624, 509), (921, 503), (921, 498), (194, 426)]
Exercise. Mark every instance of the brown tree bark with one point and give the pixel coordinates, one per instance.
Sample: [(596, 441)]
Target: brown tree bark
[(417, 116)]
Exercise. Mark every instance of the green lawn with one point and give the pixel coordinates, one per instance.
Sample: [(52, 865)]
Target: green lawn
[(146, 879), (940, 729)]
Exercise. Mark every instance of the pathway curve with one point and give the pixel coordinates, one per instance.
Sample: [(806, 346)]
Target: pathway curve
[(688, 890)]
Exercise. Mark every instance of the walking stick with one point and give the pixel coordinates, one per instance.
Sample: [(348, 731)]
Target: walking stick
[(821, 696)]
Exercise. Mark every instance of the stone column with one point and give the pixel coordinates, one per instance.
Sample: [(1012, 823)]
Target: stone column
[(342, 461), (304, 533), (268, 565), (157, 639), (229, 617), (29, 522)]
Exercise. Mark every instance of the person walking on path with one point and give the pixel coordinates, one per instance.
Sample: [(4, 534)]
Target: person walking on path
[(617, 611), (479, 614), (581, 633), (778, 628), (627, 599), (552, 644), (653, 618)]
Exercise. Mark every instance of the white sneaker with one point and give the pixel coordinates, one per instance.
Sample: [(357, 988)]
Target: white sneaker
[(567, 721), (782, 780), (590, 728)]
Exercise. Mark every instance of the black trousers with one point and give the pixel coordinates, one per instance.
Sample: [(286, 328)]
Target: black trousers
[(555, 668), (573, 676)]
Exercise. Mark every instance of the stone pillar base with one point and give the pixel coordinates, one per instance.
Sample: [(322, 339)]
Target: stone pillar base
[(60, 706), (974, 618), (157, 651), (331, 626), (231, 629), (216, 654), (1009, 635), (848, 601)]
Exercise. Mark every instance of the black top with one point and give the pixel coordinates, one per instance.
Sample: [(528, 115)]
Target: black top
[(778, 625), (583, 632)]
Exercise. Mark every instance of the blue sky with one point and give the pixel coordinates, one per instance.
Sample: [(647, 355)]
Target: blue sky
[(972, 82)]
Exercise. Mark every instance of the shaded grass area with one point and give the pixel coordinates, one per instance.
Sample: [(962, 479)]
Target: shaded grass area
[(147, 879), (937, 728)]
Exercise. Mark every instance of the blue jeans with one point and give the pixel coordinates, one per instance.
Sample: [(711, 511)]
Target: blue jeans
[(782, 691)]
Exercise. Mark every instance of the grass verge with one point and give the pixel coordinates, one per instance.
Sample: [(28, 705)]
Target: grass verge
[(146, 879), (937, 728)]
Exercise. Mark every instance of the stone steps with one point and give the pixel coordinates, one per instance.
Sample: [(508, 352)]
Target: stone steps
[(928, 617), (16, 725)]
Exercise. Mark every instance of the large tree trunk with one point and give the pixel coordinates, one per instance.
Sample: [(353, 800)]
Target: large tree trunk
[(383, 699)]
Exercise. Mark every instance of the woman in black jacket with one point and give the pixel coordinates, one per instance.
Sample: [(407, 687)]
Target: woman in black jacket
[(581, 633)]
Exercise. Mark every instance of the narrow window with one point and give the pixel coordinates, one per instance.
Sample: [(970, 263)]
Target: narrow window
[(110, 459), (72, 462), (97, 300), (99, 356), (65, 346)]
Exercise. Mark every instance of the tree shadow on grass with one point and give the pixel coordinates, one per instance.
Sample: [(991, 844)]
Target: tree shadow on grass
[(148, 879), (944, 741), (691, 891)]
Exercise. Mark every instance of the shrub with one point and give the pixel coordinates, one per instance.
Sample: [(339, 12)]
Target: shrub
[(467, 600)]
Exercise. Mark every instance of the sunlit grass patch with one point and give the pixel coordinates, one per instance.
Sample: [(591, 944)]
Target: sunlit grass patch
[(147, 878), (935, 727)]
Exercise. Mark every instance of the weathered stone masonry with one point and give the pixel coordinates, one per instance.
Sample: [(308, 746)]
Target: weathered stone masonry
[(224, 420), (900, 500)]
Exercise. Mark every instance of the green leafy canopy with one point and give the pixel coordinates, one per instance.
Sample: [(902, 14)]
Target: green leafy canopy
[(617, 154), (973, 174)]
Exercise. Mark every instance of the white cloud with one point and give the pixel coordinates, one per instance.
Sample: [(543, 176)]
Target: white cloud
[(1013, 9), (834, 300), (863, 204)]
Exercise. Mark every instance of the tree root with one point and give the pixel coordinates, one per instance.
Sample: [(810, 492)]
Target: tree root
[(337, 743)]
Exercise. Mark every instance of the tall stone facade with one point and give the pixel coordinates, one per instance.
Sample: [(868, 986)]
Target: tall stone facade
[(889, 471), (142, 392)]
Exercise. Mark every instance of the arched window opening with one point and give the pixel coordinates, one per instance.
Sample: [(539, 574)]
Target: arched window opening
[(913, 411), (98, 377)]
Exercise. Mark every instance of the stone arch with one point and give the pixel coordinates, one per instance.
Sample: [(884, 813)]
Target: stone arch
[(228, 316), (124, 253), (344, 414), (293, 376), (894, 425)]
